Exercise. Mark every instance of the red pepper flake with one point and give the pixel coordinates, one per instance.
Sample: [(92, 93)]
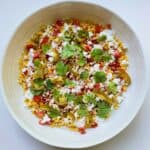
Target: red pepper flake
[(37, 98), (88, 48), (98, 28), (59, 22), (29, 46), (39, 114), (94, 125), (44, 40), (44, 123), (96, 86), (82, 130), (36, 54), (76, 22)]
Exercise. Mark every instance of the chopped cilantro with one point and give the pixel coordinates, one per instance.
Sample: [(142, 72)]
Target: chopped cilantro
[(37, 63), (84, 75), (82, 61), (82, 111), (35, 91), (103, 109), (100, 76), (96, 54), (69, 83), (70, 97), (70, 51), (102, 38), (90, 98), (38, 83), (53, 113), (49, 84), (61, 68), (83, 34), (112, 87), (45, 48), (106, 57), (56, 94)]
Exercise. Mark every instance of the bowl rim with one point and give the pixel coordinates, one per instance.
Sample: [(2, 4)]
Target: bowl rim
[(22, 124)]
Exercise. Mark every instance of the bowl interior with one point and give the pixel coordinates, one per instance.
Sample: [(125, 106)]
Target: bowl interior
[(14, 94)]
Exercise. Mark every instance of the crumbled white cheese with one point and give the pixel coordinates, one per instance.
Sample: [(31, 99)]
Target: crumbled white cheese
[(64, 43), (90, 107), (80, 123), (76, 28), (28, 94), (90, 34), (97, 46), (109, 76), (117, 81), (94, 68), (51, 59), (66, 26), (77, 89), (50, 53), (64, 90), (124, 62), (110, 96), (54, 44), (45, 119), (89, 43)]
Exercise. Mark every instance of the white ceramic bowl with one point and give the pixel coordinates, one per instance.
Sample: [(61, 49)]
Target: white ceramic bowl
[(13, 94)]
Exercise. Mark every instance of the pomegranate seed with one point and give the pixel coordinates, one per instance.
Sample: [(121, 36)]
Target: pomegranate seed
[(76, 22), (82, 130), (36, 54), (97, 86), (25, 72), (101, 65), (94, 125), (44, 123), (117, 54)]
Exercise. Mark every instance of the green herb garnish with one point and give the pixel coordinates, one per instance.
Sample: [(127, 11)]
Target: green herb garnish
[(69, 83), (53, 113), (102, 38), (84, 75), (82, 111), (90, 98), (61, 68), (112, 87), (70, 97), (103, 109), (83, 34), (45, 48), (37, 63), (100, 76), (35, 91), (49, 84), (96, 54)]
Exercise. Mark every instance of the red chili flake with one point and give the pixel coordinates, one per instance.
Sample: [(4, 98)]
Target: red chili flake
[(29, 46), (82, 130), (76, 22), (94, 124), (39, 114), (37, 98), (44, 123), (44, 40), (59, 22), (117, 54), (98, 28), (87, 47), (96, 86), (36, 54), (108, 26)]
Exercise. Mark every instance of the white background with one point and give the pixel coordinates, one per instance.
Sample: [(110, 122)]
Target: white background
[(137, 135)]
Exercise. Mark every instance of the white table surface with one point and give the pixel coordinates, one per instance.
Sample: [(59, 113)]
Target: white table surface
[(137, 135)]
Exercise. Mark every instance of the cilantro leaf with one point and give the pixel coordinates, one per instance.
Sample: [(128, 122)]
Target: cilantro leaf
[(82, 61), (102, 38), (83, 33), (70, 97), (38, 83), (112, 87), (100, 76), (37, 63), (90, 98), (56, 94), (103, 109), (45, 48), (106, 57), (84, 75), (69, 50), (96, 54), (69, 83), (61, 68), (49, 84), (53, 113), (82, 111), (35, 91)]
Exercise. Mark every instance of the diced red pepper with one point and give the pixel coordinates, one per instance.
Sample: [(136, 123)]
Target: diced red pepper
[(44, 40), (37, 98), (76, 22), (98, 28), (39, 114), (59, 22), (88, 47), (96, 86), (36, 54), (94, 124), (82, 130), (29, 46)]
